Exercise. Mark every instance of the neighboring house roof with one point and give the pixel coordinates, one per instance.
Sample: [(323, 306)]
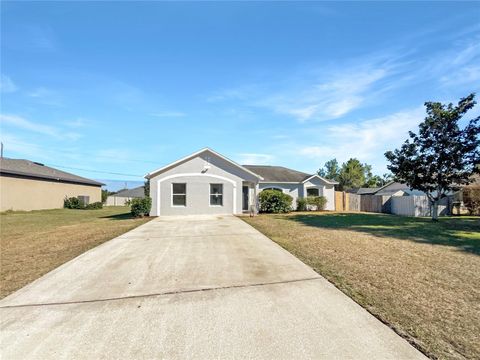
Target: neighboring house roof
[(367, 191), (138, 192), (191, 156), (394, 187), (31, 169), (282, 174)]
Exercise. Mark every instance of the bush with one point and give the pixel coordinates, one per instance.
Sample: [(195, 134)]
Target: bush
[(301, 204), (471, 199), (318, 201), (274, 201), (94, 206), (140, 207), (72, 203)]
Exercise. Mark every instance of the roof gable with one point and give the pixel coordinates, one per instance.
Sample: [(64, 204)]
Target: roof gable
[(195, 154)]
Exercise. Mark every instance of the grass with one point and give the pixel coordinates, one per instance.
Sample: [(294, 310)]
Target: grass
[(421, 278), (33, 243)]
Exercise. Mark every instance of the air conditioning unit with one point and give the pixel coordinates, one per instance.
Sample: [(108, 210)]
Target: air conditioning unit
[(84, 200)]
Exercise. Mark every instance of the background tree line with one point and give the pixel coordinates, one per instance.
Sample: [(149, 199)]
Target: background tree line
[(352, 174)]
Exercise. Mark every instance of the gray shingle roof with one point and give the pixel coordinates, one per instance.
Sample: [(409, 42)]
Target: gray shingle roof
[(27, 168), (367, 191), (278, 173), (138, 192)]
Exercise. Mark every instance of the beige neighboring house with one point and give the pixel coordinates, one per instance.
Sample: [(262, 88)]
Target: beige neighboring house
[(28, 185), (123, 197)]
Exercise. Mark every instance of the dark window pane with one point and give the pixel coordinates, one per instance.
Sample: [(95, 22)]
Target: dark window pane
[(216, 188), (179, 188), (179, 200), (216, 200), (312, 192)]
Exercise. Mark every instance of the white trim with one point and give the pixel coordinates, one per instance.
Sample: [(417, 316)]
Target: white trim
[(155, 172), (280, 182), (234, 191), (321, 178), (274, 187)]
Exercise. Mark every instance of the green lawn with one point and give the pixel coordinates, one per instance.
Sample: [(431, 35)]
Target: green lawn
[(420, 277), (33, 243)]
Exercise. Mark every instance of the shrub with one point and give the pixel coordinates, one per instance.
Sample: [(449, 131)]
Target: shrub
[(140, 207), (273, 201), (471, 199), (71, 203), (318, 201), (94, 206), (301, 204)]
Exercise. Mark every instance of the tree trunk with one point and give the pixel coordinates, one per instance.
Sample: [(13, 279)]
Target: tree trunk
[(435, 210)]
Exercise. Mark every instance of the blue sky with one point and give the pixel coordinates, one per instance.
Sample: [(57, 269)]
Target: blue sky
[(124, 88)]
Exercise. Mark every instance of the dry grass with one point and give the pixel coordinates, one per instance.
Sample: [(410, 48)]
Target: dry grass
[(421, 278), (33, 243)]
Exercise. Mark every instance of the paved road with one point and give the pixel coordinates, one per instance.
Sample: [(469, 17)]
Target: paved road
[(191, 287)]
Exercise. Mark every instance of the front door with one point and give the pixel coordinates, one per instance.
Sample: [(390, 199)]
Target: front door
[(245, 198)]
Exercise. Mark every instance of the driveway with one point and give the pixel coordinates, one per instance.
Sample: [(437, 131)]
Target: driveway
[(190, 287)]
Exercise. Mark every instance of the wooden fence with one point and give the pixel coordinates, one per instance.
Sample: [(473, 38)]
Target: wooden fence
[(398, 205)]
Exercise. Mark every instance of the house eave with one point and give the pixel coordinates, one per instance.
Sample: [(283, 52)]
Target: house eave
[(186, 158)]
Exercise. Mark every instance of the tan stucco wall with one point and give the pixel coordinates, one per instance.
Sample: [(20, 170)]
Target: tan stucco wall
[(26, 194)]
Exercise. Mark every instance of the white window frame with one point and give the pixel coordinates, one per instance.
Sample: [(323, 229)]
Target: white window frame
[(185, 194), (210, 195)]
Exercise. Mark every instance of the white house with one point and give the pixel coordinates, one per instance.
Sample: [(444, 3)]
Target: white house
[(123, 197), (207, 182)]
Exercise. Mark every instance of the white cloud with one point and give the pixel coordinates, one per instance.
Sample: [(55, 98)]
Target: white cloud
[(366, 140), (46, 96), (254, 158), (22, 123), (7, 85)]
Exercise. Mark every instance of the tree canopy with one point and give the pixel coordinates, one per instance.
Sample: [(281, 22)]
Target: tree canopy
[(443, 155), (352, 174)]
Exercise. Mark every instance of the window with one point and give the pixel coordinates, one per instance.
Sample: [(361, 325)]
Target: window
[(216, 194), (312, 192), (179, 194), (271, 188)]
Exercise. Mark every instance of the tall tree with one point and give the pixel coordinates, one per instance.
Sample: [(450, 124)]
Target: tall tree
[(443, 155), (352, 174), (330, 170)]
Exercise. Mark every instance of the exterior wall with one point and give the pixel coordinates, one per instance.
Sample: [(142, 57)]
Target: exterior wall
[(198, 182), (113, 200), (28, 194), (296, 190), (293, 189), (326, 190)]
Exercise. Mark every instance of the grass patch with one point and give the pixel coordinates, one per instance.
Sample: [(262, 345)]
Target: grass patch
[(36, 242), (420, 277)]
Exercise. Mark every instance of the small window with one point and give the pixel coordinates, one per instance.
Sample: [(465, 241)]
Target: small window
[(312, 192), (216, 194), (179, 194), (275, 189)]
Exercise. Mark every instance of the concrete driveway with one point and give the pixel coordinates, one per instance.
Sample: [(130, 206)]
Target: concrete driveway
[(190, 287)]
